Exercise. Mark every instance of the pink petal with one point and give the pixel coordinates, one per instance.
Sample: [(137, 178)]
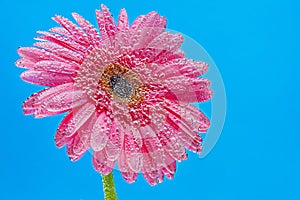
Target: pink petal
[(182, 67), (123, 20), (151, 164), (191, 140), (160, 176), (62, 41), (46, 93), (183, 127), (73, 121), (132, 148), (149, 170), (170, 163), (35, 101), (55, 66), (67, 55), (46, 78), (61, 102), (106, 22), (148, 163), (167, 173), (88, 28), (28, 105), (99, 135), (76, 32), (24, 63), (130, 177), (35, 55), (115, 140), (190, 115), (172, 146), (54, 103), (140, 114), (199, 95), (60, 138), (162, 47), (151, 26), (61, 31), (101, 163), (152, 145), (151, 180), (137, 22), (152, 19), (183, 89), (79, 144), (127, 173), (154, 177)]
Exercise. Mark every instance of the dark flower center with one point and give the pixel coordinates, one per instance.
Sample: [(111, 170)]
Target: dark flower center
[(120, 86)]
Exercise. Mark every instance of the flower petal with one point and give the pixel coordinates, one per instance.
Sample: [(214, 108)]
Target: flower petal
[(152, 19), (79, 144), (182, 67), (46, 78), (24, 63), (137, 22), (88, 28), (171, 146), (154, 177), (62, 41), (146, 50), (164, 45), (123, 23), (130, 176), (169, 175), (36, 98), (153, 146), (149, 28), (191, 142), (61, 31), (76, 32), (73, 121), (127, 173), (189, 115), (66, 54), (99, 135), (132, 148), (170, 169), (115, 141), (35, 55), (149, 168), (106, 22), (61, 102), (185, 125), (101, 163), (152, 158), (183, 89), (55, 66), (170, 163)]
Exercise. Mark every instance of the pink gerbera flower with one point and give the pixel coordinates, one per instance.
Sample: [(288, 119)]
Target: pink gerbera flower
[(126, 90)]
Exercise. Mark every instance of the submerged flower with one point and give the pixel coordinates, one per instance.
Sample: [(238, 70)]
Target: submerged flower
[(126, 90)]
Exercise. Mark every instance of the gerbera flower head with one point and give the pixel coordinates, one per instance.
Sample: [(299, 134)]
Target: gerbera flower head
[(126, 90)]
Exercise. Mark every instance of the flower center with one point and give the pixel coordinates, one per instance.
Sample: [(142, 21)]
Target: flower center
[(111, 83), (122, 83), (121, 87)]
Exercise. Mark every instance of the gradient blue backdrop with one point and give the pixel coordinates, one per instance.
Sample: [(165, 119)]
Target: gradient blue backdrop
[(254, 43)]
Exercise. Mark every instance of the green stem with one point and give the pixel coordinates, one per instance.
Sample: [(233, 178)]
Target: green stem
[(109, 187)]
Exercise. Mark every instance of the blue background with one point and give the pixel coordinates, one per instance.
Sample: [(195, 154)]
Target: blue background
[(255, 45)]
